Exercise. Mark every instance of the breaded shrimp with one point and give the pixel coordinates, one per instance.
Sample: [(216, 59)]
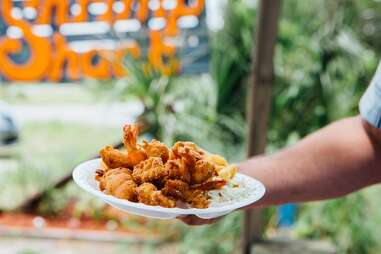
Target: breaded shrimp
[(156, 149), (150, 170), (149, 195), (187, 151), (202, 171), (114, 158), (177, 169), (135, 153), (117, 182)]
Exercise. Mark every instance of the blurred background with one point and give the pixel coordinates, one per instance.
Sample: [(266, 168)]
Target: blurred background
[(73, 73)]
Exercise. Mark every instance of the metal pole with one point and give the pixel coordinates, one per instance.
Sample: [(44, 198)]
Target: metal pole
[(259, 102)]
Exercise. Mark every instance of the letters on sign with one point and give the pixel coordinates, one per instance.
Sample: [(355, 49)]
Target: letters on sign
[(58, 40)]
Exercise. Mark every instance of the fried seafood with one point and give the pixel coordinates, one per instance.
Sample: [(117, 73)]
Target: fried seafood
[(150, 170), (202, 171), (153, 174), (211, 184), (182, 191), (117, 182), (197, 198), (114, 158), (156, 149), (135, 153), (187, 151), (177, 169), (149, 195), (176, 189)]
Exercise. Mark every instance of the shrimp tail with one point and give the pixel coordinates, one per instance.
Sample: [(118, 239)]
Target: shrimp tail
[(130, 136)]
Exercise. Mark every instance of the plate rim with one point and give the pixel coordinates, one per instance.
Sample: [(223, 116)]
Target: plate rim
[(175, 210)]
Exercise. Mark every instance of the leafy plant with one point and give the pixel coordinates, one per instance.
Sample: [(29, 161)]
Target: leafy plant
[(342, 221), (325, 56), (323, 65), (231, 60), (177, 107), (219, 238)]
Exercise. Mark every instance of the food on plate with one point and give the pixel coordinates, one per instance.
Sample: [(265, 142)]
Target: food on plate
[(118, 182), (177, 169), (202, 171), (150, 195), (113, 158), (156, 149), (150, 170), (157, 175), (135, 153)]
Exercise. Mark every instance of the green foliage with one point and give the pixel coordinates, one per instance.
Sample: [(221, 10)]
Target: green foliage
[(322, 68), (325, 57), (218, 238), (343, 221), (230, 60), (178, 108)]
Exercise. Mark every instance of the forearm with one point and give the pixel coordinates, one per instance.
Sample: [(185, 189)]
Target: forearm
[(337, 160)]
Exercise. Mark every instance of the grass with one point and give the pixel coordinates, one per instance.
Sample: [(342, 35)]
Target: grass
[(46, 152), (349, 222)]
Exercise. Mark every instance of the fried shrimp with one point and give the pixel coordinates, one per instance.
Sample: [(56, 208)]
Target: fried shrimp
[(154, 174), (150, 170), (197, 198), (182, 191), (188, 151), (156, 149), (212, 184), (117, 182), (149, 195), (177, 169), (114, 158), (135, 153), (176, 188), (202, 171)]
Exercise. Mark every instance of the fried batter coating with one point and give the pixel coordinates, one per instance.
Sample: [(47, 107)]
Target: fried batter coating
[(176, 188), (149, 195), (114, 158), (102, 176), (117, 182), (212, 184), (202, 171), (135, 153), (150, 170), (197, 198), (181, 191), (177, 169), (188, 151), (161, 175), (156, 149)]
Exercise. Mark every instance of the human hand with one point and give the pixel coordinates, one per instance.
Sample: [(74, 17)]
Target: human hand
[(193, 220)]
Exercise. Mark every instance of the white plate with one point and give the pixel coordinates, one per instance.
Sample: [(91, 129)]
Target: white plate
[(252, 189)]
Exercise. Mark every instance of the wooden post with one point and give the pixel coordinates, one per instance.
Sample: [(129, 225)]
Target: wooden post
[(259, 102)]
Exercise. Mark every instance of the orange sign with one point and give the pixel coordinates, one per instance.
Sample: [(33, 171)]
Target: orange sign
[(54, 33)]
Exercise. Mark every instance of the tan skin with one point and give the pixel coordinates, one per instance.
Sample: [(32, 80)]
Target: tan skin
[(337, 160)]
